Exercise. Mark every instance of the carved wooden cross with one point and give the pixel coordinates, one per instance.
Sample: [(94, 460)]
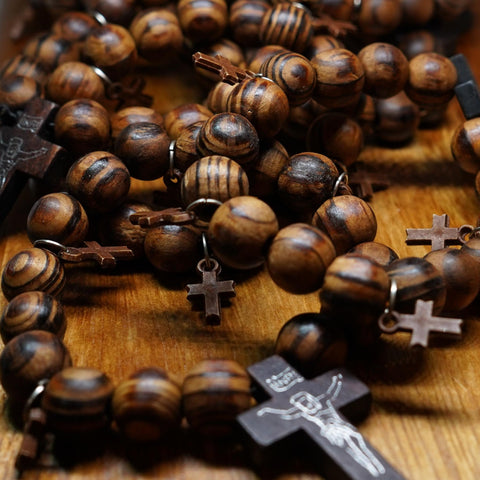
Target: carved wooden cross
[(104, 256), (210, 290), (168, 216), (23, 153), (363, 182), (439, 236), (316, 407), (227, 72), (466, 90), (129, 94)]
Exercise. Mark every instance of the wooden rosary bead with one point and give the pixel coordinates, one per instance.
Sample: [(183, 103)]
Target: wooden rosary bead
[(337, 136), (203, 20), (229, 134), (58, 217), (17, 91), (130, 115), (466, 146), (380, 253), (146, 406), (32, 269), (157, 34), (460, 274), (300, 118), (298, 258), (32, 311), (173, 248), (312, 344), (417, 42), (432, 80), (240, 230), (214, 177), (119, 12), (27, 359), (287, 24), (262, 102), (228, 49), (307, 181), (74, 80), (183, 116), (446, 9), (347, 220), (217, 99), (262, 55), (379, 17), (472, 247), (24, 67), (112, 49), (99, 180), (340, 78), (416, 278), (214, 393), (186, 152), (339, 9), (76, 401), (417, 12), (73, 26), (321, 43), (293, 73), (82, 125), (386, 69), (245, 19), (365, 114), (143, 147)]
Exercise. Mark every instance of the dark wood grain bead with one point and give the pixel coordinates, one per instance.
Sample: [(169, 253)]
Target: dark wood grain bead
[(460, 274), (82, 125), (214, 393), (245, 19), (76, 401), (380, 253), (58, 217), (24, 67), (321, 43), (466, 146), (417, 42), (262, 54), (32, 311), (240, 230), (127, 116), (16, 91), (379, 17), (300, 119), (99, 180), (262, 102), (365, 114), (416, 278), (472, 247), (173, 248), (217, 99), (448, 9), (186, 152), (74, 26), (56, 8), (214, 177), (347, 220), (312, 344), (298, 258), (146, 406), (73, 80), (183, 116), (27, 359), (417, 12), (118, 12), (32, 269)]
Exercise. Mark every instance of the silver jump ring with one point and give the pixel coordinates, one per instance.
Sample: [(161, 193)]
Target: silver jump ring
[(50, 245), (34, 396), (99, 17), (203, 202), (343, 176), (101, 74)]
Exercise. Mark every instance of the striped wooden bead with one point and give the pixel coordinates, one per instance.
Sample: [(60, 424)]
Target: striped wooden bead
[(76, 401), (32, 269), (262, 54), (99, 180), (130, 115), (58, 217), (245, 19), (73, 26), (24, 67), (347, 220), (240, 230), (119, 12), (147, 405), (378, 252), (312, 344), (214, 177), (472, 247), (186, 152), (379, 17), (320, 43), (17, 91), (217, 99), (32, 311), (214, 392), (466, 146), (298, 258), (183, 116)]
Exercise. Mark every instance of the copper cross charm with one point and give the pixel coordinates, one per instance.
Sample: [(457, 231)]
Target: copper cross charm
[(129, 94), (169, 216), (227, 72), (439, 236), (363, 182), (104, 256), (33, 435), (336, 28)]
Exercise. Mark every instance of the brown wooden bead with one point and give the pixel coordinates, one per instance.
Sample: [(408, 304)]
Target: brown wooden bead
[(339, 9), (337, 136), (245, 19), (58, 217), (379, 17), (321, 43), (446, 9), (472, 247), (82, 125), (120, 12), (32, 269), (214, 177), (287, 24), (432, 80), (186, 152), (298, 258), (340, 78), (307, 181), (300, 119), (112, 49), (365, 114), (173, 248), (262, 102), (27, 359), (74, 26), (73, 80), (146, 406), (32, 311), (417, 42), (380, 253), (262, 55), (416, 278), (203, 20), (466, 146), (16, 91), (56, 8), (183, 116), (347, 220), (214, 393), (312, 344), (417, 12), (240, 230), (99, 180), (76, 401), (460, 274), (157, 34), (217, 99), (127, 116), (25, 67)]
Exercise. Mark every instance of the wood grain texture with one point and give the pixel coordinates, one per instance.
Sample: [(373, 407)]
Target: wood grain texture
[(425, 418)]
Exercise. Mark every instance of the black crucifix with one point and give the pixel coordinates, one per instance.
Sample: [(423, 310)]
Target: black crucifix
[(315, 407), (364, 183), (106, 257), (439, 236), (466, 90), (23, 153), (227, 72), (129, 94)]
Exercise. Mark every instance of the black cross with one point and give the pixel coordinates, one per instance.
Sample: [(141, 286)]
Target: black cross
[(316, 407), (466, 90), (439, 236)]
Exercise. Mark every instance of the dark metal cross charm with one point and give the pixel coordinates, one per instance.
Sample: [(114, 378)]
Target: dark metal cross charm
[(129, 94), (33, 435), (439, 236), (227, 72), (466, 90), (168, 216), (106, 257), (336, 28), (316, 407), (363, 182)]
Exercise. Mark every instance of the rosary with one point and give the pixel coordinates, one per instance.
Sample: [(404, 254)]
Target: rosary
[(263, 172)]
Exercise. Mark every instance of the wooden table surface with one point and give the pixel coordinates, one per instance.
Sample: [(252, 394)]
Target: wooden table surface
[(425, 417)]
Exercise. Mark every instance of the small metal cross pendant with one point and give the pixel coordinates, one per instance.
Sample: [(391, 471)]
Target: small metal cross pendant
[(168, 216), (106, 257), (364, 183), (33, 435), (227, 72), (324, 23), (129, 94), (439, 236)]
